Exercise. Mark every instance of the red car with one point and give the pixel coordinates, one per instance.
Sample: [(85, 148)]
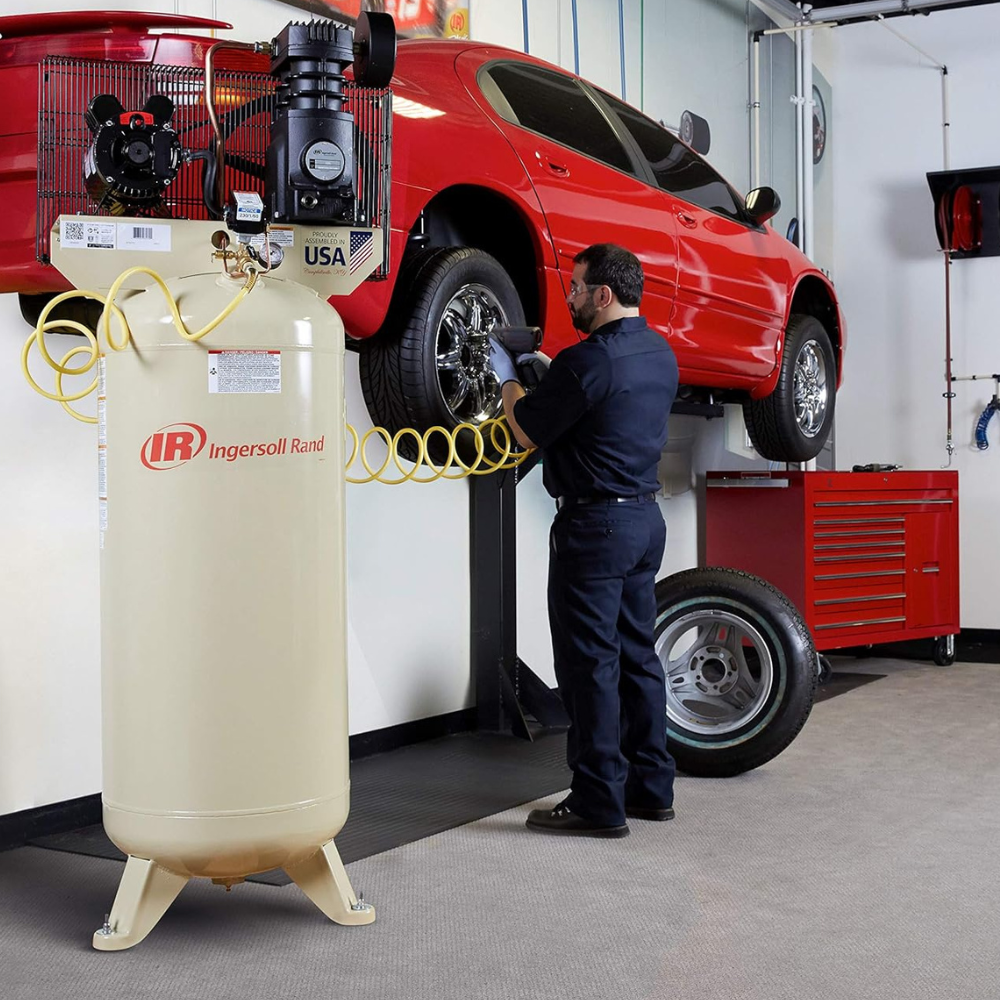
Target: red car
[(503, 168)]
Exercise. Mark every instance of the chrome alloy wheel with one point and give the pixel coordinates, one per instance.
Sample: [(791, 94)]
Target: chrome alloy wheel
[(469, 386), (810, 389), (719, 671)]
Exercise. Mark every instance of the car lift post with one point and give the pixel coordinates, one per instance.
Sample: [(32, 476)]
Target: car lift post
[(504, 684)]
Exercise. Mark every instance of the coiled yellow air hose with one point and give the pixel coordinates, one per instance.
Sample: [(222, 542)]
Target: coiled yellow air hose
[(500, 439)]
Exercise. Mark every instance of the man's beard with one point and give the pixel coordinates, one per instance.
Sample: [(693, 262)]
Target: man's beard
[(583, 318)]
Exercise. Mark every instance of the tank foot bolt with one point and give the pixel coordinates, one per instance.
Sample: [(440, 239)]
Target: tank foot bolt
[(144, 894), (324, 880)]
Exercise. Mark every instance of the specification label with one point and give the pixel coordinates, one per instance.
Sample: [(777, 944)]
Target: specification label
[(244, 371), (137, 235)]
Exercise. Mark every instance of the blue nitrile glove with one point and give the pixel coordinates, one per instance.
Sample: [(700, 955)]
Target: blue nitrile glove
[(502, 362), (543, 359)]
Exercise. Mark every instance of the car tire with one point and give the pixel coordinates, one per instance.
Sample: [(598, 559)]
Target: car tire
[(79, 310), (794, 421), (740, 668), (429, 364)]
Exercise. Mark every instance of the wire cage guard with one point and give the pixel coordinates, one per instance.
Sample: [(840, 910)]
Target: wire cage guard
[(244, 103)]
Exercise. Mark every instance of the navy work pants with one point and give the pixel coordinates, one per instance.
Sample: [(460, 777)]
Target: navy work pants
[(603, 560)]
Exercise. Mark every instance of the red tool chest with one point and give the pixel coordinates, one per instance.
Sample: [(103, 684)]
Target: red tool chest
[(867, 557)]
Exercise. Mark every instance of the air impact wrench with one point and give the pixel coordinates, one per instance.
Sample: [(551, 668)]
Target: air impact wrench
[(520, 340)]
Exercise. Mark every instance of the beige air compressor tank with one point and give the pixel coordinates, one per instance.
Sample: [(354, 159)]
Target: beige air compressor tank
[(223, 620)]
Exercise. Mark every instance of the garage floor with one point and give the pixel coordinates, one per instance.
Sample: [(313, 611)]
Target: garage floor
[(860, 863)]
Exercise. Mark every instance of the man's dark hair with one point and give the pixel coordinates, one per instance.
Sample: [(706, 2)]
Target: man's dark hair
[(614, 266)]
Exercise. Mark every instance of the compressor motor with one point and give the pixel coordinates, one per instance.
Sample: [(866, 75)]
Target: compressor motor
[(134, 155)]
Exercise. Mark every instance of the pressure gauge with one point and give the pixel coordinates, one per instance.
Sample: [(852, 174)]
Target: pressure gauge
[(274, 253)]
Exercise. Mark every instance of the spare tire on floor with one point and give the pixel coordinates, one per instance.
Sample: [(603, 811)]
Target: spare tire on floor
[(740, 667)]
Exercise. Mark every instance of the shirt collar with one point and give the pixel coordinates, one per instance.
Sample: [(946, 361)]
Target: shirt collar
[(627, 324)]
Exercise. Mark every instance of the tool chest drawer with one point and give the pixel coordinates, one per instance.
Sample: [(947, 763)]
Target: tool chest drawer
[(865, 556)]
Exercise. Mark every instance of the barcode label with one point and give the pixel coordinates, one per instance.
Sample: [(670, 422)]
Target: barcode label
[(74, 232), (152, 237)]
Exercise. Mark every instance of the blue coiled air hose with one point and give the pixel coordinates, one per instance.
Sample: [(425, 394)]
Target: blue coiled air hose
[(984, 421)]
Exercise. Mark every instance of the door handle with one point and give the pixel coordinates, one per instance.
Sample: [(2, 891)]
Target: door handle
[(687, 220), (559, 169)]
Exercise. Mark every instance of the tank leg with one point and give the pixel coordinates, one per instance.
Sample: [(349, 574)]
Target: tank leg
[(144, 893), (324, 880)]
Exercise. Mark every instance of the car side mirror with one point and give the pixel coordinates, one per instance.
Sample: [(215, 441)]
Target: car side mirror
[(762, 204)]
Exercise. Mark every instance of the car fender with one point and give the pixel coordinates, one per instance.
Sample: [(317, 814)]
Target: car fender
[(838, 335), (442, 141)]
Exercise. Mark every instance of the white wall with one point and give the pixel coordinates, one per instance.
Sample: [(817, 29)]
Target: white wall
[(49, 631), (886, 135)]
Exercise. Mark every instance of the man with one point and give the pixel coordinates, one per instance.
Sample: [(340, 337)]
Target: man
[(600, 417)]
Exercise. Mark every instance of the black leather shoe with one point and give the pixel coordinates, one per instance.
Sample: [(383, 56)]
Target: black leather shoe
[(564, 821), (641, 812)]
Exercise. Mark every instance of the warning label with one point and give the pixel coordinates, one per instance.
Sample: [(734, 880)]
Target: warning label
[(102, 445), (244, 371)]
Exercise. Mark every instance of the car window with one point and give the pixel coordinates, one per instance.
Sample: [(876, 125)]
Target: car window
[(557, 107), (678, 169)]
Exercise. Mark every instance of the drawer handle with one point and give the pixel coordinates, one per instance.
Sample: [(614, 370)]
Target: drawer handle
[(863, 621), (858, 600), (876, 503), (860, 520), (931, 569), (865, 556), (860, 534), (862, 545), (860, 576)]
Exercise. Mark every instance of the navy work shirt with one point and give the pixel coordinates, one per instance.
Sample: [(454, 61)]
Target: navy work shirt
[(600, 413)]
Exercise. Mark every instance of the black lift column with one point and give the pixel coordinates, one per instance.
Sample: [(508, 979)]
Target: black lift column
[(506, 688)]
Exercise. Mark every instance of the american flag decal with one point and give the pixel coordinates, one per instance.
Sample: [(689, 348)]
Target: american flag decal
[(361, 248)]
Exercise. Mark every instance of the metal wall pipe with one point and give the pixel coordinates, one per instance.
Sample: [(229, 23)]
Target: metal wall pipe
[(799, 166), (755, 116), (621, 43), (808, 229), (576, 40)]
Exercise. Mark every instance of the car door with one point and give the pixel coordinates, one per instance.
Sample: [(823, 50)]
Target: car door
[(590, 185), (734, 279)]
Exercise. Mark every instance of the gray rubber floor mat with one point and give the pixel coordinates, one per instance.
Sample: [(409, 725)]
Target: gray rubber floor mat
[(411, 793)]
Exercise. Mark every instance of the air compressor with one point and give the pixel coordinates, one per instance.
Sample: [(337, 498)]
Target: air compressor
[(221, 480)]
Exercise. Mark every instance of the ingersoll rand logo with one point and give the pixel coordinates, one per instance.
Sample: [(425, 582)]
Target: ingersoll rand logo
[(176, 444), (172, 446)]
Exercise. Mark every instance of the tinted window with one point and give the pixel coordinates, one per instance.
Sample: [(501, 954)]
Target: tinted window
[(558, 108), (678, 170)]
